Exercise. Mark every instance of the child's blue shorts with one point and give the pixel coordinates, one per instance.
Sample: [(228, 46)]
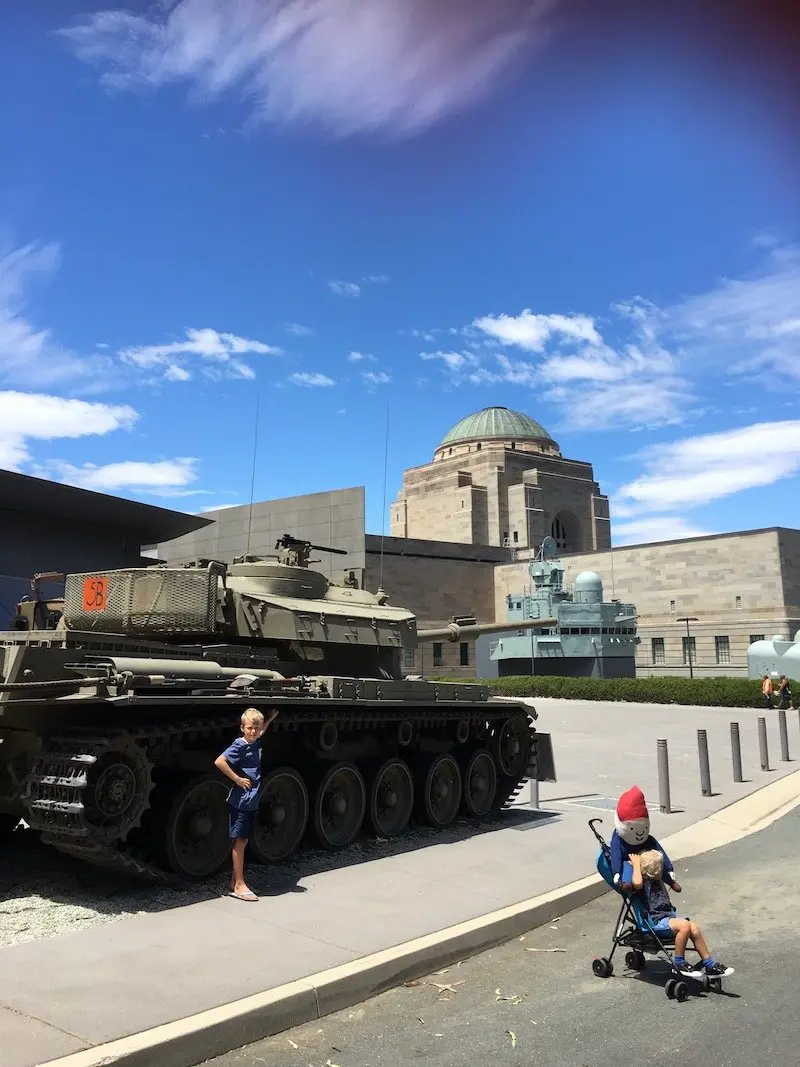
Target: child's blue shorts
[(663, 927), (240, 823)]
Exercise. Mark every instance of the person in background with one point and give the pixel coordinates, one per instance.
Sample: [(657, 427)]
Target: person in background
[(766, 691), (785, 693)]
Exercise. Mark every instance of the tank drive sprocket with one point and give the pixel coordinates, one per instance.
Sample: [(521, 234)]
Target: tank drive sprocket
[(95, 788)]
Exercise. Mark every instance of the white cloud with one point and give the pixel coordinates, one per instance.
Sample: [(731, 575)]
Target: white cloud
[(532, 332), (168, 477), (698, 470), (218, 352), (360, 357), (350, 66), (376, 377), (311, 380), (376, 279), (26, 417), (298, 329), (345, 288), (656, 528), (29, 354)]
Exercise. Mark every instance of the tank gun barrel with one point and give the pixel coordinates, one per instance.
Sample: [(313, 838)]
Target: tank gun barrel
[(455, 631)]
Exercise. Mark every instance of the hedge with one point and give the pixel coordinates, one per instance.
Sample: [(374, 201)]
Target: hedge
[(706, 692)]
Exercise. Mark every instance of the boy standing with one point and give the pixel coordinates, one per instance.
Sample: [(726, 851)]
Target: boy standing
[(241, 762)]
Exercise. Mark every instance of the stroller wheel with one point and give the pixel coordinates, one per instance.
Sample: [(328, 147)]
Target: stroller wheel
[(715, 985), (681, 991), (603, 968), (669, 988), (635, 960), (706, 983)]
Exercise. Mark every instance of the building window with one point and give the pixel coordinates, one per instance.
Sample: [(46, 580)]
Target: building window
[(722, 647), (689, 644), (478, 447), (516, 537), (738, 602), (514, 444), (657, 650), (756, 637), (408, 657), (464, 650), (672, 605), (437, 653)]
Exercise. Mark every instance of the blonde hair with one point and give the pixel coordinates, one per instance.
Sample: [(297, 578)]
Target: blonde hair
[(652, 864), (251, 715)]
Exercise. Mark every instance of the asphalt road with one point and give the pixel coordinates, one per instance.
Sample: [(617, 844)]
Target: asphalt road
[(555, 1013)]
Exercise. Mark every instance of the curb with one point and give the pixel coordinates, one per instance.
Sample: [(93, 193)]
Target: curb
[(196, 1038)]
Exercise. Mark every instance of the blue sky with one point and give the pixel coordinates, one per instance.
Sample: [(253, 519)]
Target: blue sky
[(353, 211)]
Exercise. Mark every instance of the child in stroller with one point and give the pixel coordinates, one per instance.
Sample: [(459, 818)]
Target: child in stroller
[(648, 923)]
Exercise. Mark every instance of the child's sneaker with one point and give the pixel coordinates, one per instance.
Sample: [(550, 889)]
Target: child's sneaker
[(718, 970)]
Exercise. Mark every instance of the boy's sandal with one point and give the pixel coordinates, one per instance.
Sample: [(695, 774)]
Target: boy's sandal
[(249, 895)]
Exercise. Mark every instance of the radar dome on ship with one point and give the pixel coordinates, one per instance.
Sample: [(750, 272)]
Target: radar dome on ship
[(588, 588)]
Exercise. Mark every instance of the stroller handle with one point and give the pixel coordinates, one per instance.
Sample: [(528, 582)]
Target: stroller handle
[(596, 832)]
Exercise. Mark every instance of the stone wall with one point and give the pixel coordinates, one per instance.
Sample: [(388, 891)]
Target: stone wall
[(436, 581), (789, 542)]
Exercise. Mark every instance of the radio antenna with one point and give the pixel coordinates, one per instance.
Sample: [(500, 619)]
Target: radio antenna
[(253, 473), (385, 467)]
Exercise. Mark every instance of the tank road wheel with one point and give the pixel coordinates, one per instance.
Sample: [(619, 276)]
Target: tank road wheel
[(391, 798), (339, 805), (511, 746), (282, 816), (440, 794), (480, 783), (118, 786), (196, 842)]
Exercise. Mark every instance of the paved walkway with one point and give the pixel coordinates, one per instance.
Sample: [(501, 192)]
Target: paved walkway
[(65, 993)]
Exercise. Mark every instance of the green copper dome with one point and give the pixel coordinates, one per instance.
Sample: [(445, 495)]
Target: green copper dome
[(496, 422)]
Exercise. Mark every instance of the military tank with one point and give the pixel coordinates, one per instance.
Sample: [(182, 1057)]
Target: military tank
[(116, 698)]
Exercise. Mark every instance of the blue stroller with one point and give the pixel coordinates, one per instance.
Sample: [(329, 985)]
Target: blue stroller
[(635, 931)]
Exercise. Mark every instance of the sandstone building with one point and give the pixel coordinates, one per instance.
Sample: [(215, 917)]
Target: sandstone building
[(498, 478)]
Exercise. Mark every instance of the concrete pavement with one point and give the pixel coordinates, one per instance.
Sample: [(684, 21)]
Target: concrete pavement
[(555, 1013), (76, 991)]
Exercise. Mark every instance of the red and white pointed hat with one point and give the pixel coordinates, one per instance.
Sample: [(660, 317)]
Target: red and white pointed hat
[(631, 806)]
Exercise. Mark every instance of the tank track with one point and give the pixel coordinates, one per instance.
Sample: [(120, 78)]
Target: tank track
[(55, 791)]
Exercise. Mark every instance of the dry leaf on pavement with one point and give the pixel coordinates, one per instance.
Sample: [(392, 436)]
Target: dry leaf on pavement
[(513, 1037)]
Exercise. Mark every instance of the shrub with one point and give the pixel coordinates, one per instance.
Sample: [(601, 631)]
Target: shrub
[(706, 692)]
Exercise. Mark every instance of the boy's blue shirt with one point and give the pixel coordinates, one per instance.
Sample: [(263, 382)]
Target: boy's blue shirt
[(621, 853), (245, 758)]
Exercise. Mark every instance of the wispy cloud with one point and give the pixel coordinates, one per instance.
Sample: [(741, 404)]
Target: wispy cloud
[(657, 528), (641, 365), (298, 329), (219, 354), (380, 377), (345, 288), (361, 357), (698, 470), (168, 477), (376, 279), (348, 66), (29, 354), (311, 380), (28, 417)]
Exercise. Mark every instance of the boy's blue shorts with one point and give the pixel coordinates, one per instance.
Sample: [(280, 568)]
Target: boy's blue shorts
[(663, 927), (240, 823)]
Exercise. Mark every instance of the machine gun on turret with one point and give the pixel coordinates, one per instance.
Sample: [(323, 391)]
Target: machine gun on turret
[(294, 552)]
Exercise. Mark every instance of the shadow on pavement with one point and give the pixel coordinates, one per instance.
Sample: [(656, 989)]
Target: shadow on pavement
[(44, 893)]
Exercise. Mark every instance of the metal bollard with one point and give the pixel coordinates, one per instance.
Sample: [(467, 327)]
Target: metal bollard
[(762, 743), (705, 770), (535, 794), (784, 735), (664, 802), (736, 753)]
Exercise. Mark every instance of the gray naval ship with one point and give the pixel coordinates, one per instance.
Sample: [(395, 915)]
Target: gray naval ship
[(592, 638)]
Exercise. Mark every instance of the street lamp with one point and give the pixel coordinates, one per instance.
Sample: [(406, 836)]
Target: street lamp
[(687, 619)]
